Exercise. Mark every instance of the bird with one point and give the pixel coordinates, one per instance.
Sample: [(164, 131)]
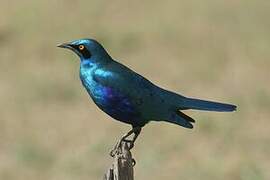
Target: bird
[(129, 97)]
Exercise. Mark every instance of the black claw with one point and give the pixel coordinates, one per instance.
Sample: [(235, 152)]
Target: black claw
[(133, 162), (115, 149), (112, 153)]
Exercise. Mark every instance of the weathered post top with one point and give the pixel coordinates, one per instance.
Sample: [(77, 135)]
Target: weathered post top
[(123, 163)]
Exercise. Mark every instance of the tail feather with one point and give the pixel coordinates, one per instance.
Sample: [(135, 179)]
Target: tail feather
[(190, 103), (181, 119), (186, 117)]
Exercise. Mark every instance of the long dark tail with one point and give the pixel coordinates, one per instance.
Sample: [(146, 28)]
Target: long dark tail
[(190, 103)]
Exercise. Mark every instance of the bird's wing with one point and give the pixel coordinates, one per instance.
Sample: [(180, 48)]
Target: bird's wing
[(122, 79), (135, 89), (125, 81)]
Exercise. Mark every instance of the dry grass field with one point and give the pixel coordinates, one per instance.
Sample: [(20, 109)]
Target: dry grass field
[(218, 50)]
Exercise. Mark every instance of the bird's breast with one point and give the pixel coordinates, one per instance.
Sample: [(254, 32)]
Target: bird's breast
[(110, 100)]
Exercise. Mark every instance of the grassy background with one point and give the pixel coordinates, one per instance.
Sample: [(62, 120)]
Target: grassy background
[(213, 49)]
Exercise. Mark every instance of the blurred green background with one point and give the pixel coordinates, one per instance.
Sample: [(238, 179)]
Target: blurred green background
[(212, 49)]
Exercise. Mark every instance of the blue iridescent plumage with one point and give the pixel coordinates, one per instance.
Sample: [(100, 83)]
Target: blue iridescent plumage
[(129, 97)]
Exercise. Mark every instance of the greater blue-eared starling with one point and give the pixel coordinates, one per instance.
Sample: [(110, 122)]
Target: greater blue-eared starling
[(129, 97)]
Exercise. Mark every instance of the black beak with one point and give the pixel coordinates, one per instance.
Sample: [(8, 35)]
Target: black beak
[(64, 45)]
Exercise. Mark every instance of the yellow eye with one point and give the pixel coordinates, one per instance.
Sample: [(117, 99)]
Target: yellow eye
[(81, 47)]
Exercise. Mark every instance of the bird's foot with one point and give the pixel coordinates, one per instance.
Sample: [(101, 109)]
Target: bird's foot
[(130, 143), (115, 150), (117, 147)]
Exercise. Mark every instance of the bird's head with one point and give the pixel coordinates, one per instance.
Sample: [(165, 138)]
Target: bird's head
[(87, 50)]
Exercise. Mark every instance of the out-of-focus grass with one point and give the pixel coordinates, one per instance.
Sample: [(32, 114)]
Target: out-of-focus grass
[(210, 49)]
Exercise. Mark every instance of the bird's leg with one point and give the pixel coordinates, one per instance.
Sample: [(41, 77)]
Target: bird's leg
[(136, 131), (118, 144)]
